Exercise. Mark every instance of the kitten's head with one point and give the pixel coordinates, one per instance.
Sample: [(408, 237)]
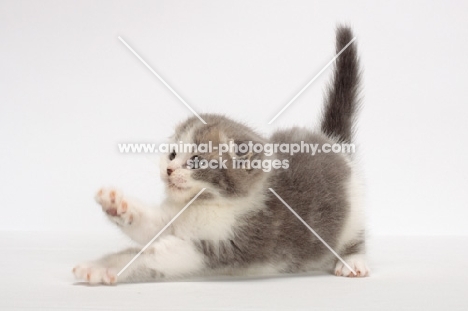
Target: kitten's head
[(185, 173)]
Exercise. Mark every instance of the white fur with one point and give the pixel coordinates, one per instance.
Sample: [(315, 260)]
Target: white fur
[(355, 222), (214, 221)]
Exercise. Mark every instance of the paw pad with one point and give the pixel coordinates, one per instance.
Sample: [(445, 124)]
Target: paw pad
[(115, 206)]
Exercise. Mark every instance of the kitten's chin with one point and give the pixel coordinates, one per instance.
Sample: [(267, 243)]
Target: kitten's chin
[(181, 194), (175, 188)]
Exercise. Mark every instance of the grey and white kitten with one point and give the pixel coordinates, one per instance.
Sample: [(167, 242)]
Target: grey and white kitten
[(237, 226)]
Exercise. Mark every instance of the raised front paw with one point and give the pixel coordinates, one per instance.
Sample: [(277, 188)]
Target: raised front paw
[(355, 261), (95, 274), (115, 206)]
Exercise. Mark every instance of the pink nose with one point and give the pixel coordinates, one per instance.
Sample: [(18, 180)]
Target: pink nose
[(169, 171)]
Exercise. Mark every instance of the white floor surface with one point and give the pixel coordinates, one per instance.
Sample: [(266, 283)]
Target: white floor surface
[(408, 273)]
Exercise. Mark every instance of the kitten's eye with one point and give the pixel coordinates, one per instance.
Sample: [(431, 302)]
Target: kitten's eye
[(172, 155)]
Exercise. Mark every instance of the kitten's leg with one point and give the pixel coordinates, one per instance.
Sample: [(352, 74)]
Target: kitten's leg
[(171, 257), (139, 222)]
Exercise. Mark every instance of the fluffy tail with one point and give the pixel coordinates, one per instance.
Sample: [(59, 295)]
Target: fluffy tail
[(342, 102)]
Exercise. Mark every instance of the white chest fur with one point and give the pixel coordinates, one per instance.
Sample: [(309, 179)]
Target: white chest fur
[(215, 220)]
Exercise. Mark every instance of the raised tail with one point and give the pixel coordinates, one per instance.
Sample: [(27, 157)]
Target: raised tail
[(342, 103)]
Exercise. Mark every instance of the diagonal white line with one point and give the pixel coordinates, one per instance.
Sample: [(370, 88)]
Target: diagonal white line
[(313, 79), (160, 232), (313, 231), (161, 79)]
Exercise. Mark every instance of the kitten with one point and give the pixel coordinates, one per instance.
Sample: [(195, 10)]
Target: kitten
[(237, 225)]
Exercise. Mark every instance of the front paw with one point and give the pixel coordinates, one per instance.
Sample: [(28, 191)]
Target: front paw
[(95, 274), (115, 206), (355, 261)]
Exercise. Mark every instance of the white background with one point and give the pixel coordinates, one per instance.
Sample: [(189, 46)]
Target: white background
[(70, 91)]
